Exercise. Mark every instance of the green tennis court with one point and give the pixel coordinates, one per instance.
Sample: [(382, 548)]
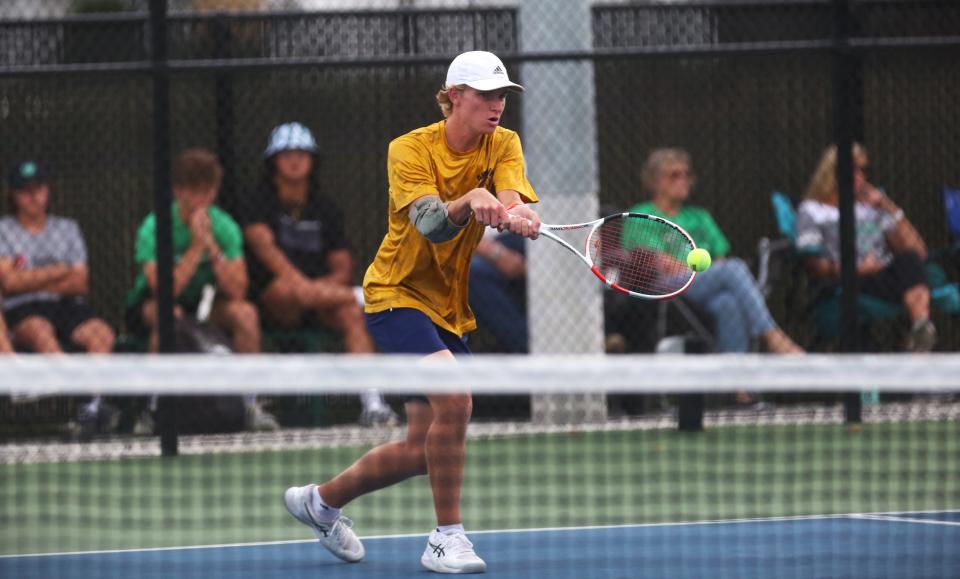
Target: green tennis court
[(614, 477)]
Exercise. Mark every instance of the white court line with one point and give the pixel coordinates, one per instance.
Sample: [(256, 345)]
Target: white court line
[(493, 531), (896, 519)]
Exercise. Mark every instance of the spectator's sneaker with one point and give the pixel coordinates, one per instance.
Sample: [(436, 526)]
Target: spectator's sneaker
[(98, 418), (337, 536), (108, 418), (922, 337), (144, 426), (451, 553), (380, 416), (260, 420)]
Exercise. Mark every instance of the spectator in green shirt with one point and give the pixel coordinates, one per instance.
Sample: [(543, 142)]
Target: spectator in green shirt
[(207, 249), (727, 291)]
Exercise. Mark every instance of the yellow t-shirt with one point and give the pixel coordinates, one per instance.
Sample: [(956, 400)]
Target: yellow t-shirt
[(411, 272)]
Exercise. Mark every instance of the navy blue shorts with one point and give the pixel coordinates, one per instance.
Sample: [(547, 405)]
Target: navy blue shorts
[(410, 331)]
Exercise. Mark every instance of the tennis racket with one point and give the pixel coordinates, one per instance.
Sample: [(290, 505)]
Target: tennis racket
[(641, 255)]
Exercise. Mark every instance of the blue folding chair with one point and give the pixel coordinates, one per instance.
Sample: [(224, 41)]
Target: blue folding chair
[(951, 207)]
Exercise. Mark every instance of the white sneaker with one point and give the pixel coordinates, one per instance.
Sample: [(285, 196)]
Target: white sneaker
[(451, 553), (381, 416), (337, 537), (259, 420)]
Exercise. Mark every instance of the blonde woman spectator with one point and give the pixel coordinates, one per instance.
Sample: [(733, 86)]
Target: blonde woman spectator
[(890, 251)]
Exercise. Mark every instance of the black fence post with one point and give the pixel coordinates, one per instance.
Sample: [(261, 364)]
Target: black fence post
[(166, 405), (690, 407), (223, 88), (844, 117)]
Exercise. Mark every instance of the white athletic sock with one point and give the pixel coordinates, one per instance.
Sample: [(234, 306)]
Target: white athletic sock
[(450, 529), (372, 400), (324, 512), (94, 405)]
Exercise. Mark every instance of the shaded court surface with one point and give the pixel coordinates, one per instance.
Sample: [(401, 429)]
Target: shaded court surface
[(896, 545)]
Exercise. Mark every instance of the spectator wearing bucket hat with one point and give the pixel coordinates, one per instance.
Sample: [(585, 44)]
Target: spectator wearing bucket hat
[(301, 266)]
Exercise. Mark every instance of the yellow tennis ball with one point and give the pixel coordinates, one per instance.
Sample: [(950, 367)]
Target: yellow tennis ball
[(699, 260)]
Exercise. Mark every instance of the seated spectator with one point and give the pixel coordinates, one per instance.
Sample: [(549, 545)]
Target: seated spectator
[(44, 279), (44, 273), (727, 291), (208, 250), (301, 268), (890, 251), (498, 288)]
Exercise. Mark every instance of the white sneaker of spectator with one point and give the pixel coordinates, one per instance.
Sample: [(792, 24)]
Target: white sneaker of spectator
[(258, 419)]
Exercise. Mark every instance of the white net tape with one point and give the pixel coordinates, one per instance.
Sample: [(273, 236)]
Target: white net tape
[(281, 374)]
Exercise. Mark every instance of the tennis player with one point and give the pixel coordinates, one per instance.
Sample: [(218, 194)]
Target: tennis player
[(448, 181)]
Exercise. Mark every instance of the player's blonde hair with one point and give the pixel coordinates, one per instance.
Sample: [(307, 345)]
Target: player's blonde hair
[(443, 99), (656, 161), (823, 183)]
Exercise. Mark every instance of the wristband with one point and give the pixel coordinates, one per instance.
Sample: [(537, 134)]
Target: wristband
[(513, 204)]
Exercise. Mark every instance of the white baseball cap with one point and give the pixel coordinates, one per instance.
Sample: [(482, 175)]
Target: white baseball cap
[(479, 70), (290, 137)]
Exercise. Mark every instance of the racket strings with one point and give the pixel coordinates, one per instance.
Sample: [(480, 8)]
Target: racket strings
[(641, 255)]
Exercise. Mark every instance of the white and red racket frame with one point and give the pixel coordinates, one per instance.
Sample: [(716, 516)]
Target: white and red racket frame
[(547, 230)]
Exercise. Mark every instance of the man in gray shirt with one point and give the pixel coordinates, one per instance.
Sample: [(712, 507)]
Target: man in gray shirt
[(44, 274)]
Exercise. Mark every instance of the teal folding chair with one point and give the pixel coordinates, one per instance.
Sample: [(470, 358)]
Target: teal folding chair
[(826, 311)]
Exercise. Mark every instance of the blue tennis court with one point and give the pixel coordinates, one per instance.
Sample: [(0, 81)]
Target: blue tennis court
[(915, 545)]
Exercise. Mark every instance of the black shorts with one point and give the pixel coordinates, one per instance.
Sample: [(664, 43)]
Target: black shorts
[(65, 314), (134, 322), (904, 272), (137, 326)]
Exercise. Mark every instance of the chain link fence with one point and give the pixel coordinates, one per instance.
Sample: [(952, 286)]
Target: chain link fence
[(747, 89)]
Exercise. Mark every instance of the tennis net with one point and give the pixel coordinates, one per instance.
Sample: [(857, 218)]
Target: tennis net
[(779, 482)]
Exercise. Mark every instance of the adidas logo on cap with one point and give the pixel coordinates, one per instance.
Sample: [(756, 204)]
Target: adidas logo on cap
[(498, 70)]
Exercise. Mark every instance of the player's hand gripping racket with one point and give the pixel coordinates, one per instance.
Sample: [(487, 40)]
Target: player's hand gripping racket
[(641, 255)]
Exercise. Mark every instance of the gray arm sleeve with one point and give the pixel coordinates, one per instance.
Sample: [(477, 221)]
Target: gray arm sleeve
[(429, 216)]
